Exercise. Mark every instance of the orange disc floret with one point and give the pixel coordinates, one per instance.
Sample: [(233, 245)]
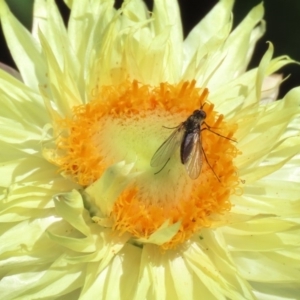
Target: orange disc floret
[(77, 151), (104, 131), (195, 210)]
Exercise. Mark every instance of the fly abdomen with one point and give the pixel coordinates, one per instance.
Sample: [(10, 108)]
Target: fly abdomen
[(186, 146)]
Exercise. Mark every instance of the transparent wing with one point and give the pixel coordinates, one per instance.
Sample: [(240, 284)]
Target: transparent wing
[(193, 162), (165, 151)]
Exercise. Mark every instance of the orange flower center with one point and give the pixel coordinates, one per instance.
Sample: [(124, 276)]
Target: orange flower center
[(128, 123)]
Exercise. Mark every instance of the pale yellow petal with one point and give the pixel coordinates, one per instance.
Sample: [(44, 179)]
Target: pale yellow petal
[(123, 269), (207, 29), (162, 235), (105, 191), (21, 103), (236, 49), (167, 16), (61, 88), (270, 88), (69, 206), (88, 23), (10, 71), (24, 49)]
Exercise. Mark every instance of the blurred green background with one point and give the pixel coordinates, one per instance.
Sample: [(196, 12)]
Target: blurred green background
[(282, 17)]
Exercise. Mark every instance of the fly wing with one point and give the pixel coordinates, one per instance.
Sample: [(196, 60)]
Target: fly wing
[(165, 151), (193, 161)]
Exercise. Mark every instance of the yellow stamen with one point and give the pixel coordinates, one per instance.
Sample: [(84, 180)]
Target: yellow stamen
[(126, 122)]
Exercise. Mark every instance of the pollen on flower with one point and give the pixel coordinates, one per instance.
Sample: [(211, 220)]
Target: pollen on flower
[(129, 122)]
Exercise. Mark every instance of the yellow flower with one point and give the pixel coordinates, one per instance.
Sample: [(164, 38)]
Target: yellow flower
[(94, 204)]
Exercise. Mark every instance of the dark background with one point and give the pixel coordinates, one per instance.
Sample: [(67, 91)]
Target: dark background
[(282, 17)]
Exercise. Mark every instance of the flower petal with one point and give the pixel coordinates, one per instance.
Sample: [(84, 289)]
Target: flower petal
[(70, 208), (167, 16), (236, 50), (24, 48), (270, 88), (207, 29), (106, 190), (11, 71)]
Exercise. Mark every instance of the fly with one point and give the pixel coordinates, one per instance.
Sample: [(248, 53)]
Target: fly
[(188, 136)]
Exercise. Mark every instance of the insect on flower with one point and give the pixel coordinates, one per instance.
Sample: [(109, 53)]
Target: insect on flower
[(188, 136)]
